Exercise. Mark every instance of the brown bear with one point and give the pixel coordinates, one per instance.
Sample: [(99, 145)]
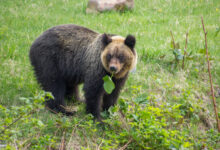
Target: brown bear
[(67, 55)]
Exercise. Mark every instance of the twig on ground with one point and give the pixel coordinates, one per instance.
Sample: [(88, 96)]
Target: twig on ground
[(126, 145), (205, 120), (16, 121), (100, 145), (185, 50), (174, 44), (210, 77), (16, 145), (55, 134), (51, 110), (62, 144), (72, 134), (28, 141), (122, 119)]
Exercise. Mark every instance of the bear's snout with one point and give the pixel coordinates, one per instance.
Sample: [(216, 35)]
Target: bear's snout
[(113, 68), (114, 65)]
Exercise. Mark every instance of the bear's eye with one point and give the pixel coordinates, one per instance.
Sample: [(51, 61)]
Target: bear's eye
[(108, 57), (121, 58)]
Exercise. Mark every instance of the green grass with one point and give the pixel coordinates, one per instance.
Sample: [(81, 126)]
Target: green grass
[(21, 22)]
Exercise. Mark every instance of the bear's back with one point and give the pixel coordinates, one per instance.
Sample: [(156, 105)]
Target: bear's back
[(68, 37), (73, 37), (70, 31)]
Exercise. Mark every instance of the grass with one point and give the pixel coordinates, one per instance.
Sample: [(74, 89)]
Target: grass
[(21, 22)]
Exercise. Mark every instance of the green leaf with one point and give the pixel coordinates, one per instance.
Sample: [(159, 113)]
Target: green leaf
[(109, 85), (135, 117), (40, 123), (202, 51), (180, 57), (190, 53), (178, 54), (217, 31), (171, 44), (177, 45), (141, 99)]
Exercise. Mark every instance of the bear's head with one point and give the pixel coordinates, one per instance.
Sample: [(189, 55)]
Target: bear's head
[(119, 55)]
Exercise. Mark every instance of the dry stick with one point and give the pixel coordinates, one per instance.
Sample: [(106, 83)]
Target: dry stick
[(51, 110), (174, 46), (185, 49), (122, 119), (100, 145), (73, 131), (16, 145), (29, 140), (210, 77), (62, 145), (16, 121), (49, 148), (126, 145)]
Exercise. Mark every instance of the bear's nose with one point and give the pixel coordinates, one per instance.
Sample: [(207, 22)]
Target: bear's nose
[(113, 68)]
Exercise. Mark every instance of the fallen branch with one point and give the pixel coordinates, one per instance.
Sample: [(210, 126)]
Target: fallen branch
[(5, 128), (73, 131), (51, 110), (55, 134), (99, 147), (126, 145), (174, 44), (28, 141), (205, 120), (210, 78), (62, 144), (123, 121), (185, 50)]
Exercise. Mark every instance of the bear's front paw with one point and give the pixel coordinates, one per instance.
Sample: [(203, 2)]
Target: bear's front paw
[(64, 111)]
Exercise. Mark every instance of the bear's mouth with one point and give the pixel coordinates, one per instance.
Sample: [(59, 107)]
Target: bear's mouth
[(113, 72)]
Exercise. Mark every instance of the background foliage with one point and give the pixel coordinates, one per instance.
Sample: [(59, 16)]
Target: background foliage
[(161, 105)]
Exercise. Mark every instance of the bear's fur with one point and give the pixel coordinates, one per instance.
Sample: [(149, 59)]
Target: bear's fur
[(67, 55)]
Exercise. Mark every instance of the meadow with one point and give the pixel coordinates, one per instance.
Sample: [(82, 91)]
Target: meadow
[(162, 106)]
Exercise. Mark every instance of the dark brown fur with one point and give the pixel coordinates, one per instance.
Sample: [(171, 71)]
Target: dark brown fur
[(67, 55)]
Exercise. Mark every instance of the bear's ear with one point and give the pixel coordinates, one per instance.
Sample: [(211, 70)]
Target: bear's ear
[(106, 39), (130, 41)]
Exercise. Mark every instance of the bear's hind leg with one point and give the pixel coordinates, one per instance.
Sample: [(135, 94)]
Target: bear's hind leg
[(58, 89), (72, 92)]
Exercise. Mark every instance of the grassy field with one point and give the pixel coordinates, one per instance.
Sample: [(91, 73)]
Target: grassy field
[(158, 80)]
